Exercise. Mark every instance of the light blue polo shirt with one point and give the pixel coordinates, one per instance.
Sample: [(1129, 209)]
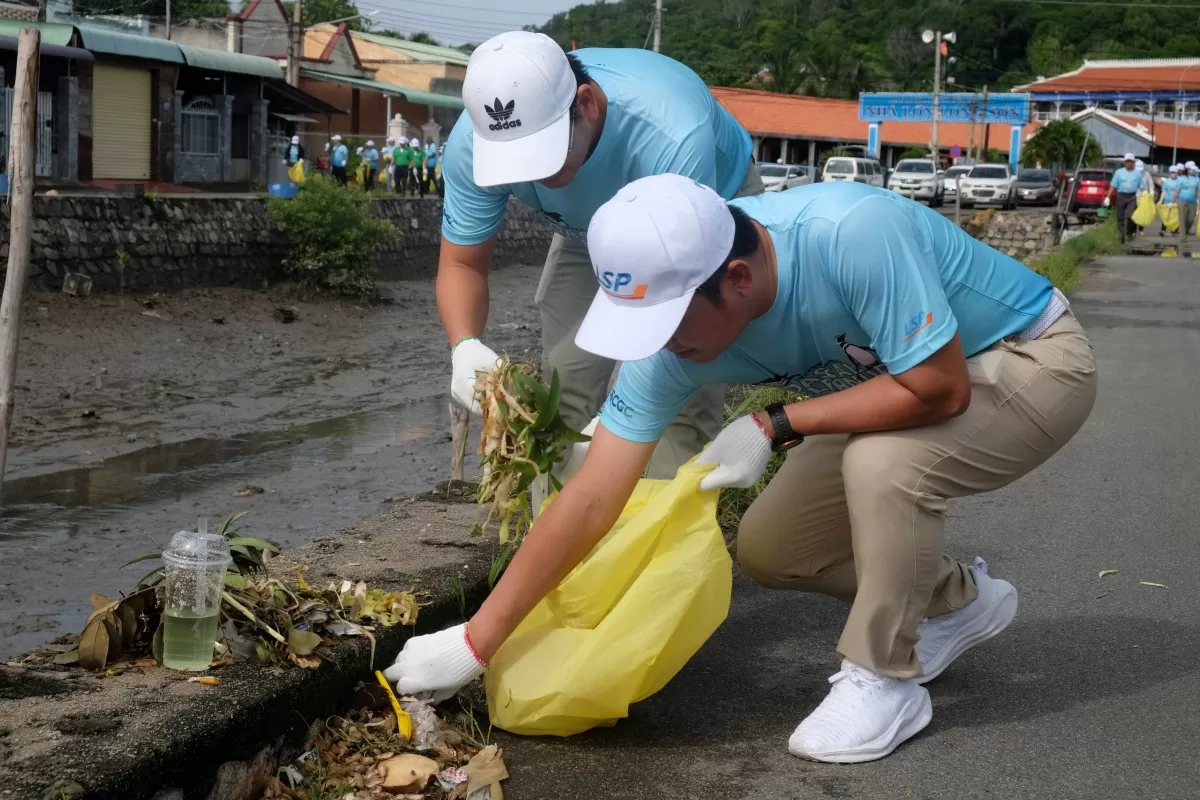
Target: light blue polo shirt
[(868, 282), (1169, 185), (340, 154), (661, 118), (1127, 181), (1187, 188)]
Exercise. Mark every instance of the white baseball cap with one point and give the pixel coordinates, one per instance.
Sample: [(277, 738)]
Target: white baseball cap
[(337, 137), (1173, 168), (1128, 157), (652, 245), (295, 140), (518, 90), (1191, 165), (414, 142)]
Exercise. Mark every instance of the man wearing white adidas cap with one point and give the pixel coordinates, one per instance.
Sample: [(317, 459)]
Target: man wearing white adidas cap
[(562, 133), (937, 367)]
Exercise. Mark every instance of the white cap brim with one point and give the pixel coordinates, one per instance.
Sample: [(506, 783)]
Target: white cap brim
[(530, 158), (626, 332)]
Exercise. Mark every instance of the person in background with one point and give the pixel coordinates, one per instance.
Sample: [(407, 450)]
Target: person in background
[(418, 166), (431, 167), (389, 170), (403, 155), (1189, 182), (1126, 183), (1170, 191), (441, 182), (1147, 179), (338, 159), (294, 152), (370, 155)]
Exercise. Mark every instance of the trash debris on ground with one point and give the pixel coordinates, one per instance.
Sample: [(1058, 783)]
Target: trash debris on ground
[(1152, 583), (1105, 572), (285, 315), (248, 491), (362, 757)]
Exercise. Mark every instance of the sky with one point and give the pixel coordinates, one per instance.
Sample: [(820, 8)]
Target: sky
[(455, 22)]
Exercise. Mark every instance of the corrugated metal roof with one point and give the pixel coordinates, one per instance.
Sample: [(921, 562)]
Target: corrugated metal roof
[(412, 95), (223, 61), (47, 49), (52, 32), (99, 40), (421, 52)]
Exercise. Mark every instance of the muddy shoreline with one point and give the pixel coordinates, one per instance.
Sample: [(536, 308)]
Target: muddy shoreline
[(136, 414)]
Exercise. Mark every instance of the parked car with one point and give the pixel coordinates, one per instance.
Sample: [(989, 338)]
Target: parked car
[(988, 184), (778, 177), (1036, 187), (860, 170), (1089, 188), (918, 179), (950, 180)]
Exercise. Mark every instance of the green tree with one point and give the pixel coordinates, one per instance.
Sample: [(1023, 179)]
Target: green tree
[(1049, 56), (315, 12), (1059, 143)]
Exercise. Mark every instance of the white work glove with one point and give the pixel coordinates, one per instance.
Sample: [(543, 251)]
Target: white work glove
[(563, 470), (741, 452), (1107, 202), (438, 664), (470, 356)]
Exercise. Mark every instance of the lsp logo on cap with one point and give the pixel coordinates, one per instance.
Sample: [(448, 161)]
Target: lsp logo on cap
[(614, 282)]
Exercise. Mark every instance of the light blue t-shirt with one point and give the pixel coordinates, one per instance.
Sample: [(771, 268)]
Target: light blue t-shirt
[(1187, 188), (371, 156), (661, 118), (1169, 185), (868, 282), (1127, 181), (340, 155)]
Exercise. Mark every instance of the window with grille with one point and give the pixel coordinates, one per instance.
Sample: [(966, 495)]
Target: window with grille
[(201, 125)]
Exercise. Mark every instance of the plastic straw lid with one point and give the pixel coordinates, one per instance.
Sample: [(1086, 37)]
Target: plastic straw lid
[(189, 549)]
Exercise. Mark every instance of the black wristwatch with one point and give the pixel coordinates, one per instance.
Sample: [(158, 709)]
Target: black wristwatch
[(785, 437)]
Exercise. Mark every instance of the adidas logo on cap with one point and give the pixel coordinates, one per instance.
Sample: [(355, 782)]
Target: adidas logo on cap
[(501, 112)]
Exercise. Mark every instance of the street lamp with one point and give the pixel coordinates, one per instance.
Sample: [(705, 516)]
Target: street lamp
[(929, 37), (1179, 111)]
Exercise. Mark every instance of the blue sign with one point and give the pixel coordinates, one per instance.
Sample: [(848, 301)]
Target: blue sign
[(1009, 109)]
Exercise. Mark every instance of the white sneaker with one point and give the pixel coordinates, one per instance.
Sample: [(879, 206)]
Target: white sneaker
[(942, 639), (866, 716)]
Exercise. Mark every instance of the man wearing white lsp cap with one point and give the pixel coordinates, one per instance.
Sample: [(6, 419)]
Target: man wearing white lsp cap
[(562, 133), (935, 367)]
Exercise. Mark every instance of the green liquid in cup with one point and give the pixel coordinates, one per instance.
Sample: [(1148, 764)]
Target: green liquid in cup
[(188, 640)]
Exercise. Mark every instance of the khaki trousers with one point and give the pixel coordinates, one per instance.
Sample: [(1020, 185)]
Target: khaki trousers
[(862, 517), (564, 295)]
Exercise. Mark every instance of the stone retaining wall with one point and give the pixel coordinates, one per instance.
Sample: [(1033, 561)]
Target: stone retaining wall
[(1022, 235), (171, 243)]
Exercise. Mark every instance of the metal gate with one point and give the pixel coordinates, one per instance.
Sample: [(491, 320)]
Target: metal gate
[(44, 167)]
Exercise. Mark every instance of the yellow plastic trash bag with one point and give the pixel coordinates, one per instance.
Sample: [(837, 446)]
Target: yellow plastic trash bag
[(296, 172), (626, 619), (1143, 215), (1169, 214), (360, 173)]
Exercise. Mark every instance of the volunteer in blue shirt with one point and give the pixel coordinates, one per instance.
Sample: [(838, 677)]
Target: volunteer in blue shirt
[(1126, 182), (1189, 182), (562, 133), (338, 159), (935, 367), (370, 156)]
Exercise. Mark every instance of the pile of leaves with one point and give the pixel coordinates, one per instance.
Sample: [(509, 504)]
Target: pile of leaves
[(523, 437), (363, 756), (279, 622)]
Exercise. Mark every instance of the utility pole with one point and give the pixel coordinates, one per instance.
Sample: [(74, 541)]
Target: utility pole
[(295, 46), (937, 92), (168, 20), (658, 9), (22, 154), (981, 156)]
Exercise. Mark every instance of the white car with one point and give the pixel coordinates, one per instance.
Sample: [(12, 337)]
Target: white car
[(989, 184), (778, 177), (950, 180), (859, 170), (917, 179)]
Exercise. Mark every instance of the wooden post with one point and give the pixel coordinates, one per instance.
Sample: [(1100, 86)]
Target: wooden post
[(22, 154)]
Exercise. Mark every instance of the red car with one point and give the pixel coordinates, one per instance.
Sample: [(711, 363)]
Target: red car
[(1089, 188)]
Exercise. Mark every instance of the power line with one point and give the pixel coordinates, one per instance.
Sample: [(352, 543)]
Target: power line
[(541, 14)]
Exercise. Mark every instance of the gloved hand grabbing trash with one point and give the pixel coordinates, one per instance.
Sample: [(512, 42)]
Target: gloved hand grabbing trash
[(470, 356), (740, 451), (1107, 202), (564, 469), (439, 663)]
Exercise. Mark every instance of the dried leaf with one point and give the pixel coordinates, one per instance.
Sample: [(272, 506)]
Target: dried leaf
[(129, 624), (302, 643), (486, 768), (360, 599), (69, 657), (114, 635), (99, 601), (408, 773), (304, 662), (1104, 572), (1151, 583), (93, 645), (145, 663)]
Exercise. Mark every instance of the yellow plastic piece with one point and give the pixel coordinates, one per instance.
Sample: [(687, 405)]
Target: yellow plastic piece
[(403, 720), (624, 622), (1169, 214), (1143, 215), (296, 172)]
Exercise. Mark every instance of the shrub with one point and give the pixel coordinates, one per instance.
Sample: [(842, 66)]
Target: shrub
[(1061, 265), (332, 236)]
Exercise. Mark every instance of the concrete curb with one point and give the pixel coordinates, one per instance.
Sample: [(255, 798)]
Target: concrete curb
[(179, 745)]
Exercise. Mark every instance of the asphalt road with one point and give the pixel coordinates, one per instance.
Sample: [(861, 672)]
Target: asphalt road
[(1092, 693)]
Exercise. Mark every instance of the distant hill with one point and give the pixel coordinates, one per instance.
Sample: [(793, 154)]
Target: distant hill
[(837, 48)]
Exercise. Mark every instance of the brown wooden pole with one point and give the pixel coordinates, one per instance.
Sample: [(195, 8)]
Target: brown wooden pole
[(22, 154)]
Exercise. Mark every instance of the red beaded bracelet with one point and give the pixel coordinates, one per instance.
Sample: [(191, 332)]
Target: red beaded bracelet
[(471, 647)]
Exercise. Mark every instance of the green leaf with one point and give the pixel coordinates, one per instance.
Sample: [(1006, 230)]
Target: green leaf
[(251, 542), (69, 657), (235, 580), (223, 528), (549, 411), (538, 393), (302, 643), (147, 557), (565, 431)]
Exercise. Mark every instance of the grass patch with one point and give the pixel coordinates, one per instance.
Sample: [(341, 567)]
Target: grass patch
[(1061, 265), (742, 400)]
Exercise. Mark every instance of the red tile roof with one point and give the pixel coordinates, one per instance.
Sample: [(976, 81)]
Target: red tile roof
[(1133, 75), (800, 117)]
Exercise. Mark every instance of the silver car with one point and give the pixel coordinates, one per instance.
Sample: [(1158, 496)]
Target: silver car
[(950, 180), (778, 177), (989, 184), (918, 179)]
